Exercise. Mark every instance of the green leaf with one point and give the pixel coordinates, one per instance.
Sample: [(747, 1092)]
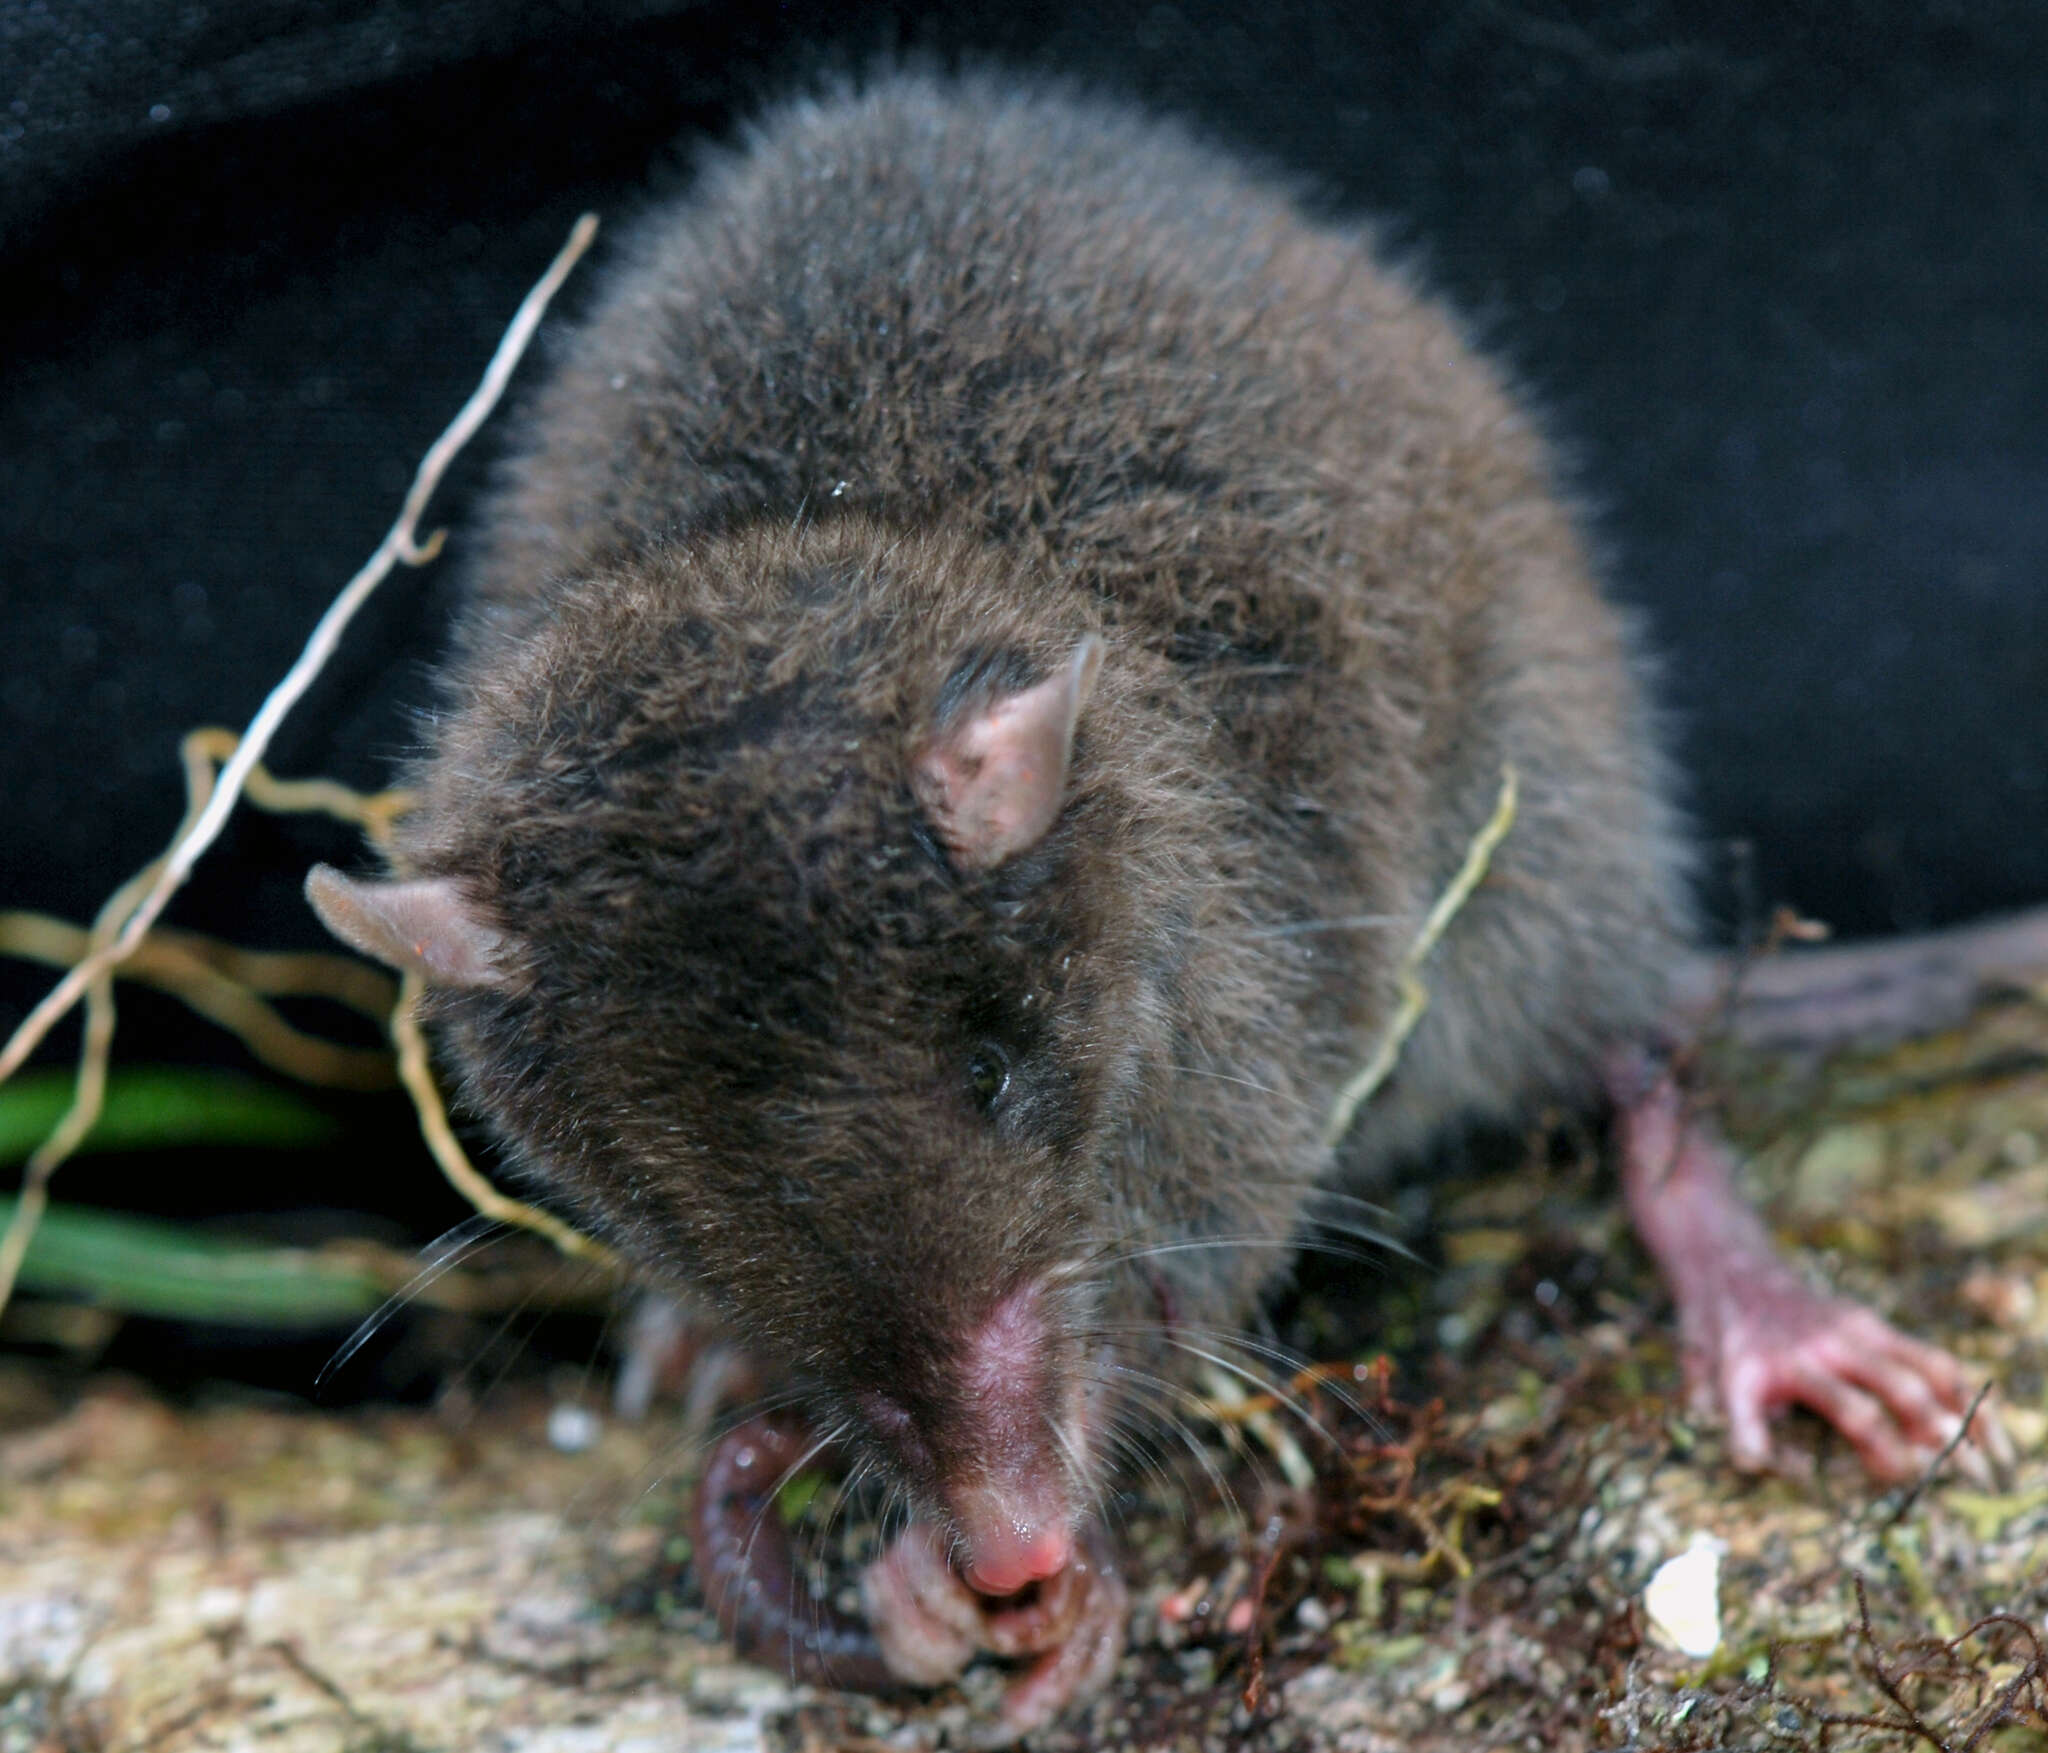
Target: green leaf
[(795, 1496), (144, 1267), (160, 1108)]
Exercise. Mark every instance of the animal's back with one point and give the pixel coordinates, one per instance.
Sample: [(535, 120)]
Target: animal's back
[(1306, 508)]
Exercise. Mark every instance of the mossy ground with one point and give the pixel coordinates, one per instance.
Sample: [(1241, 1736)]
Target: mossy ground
[(1467, 1572)]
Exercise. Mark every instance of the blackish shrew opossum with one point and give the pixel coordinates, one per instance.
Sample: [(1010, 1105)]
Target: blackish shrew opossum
[(995, 634)]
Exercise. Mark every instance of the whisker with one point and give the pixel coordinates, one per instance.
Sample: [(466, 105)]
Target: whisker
[(1346, 922), (1289, 1096), (1295, 1244), (895, 1514), (711, 1370), (1077, 1475), (1321, 1209), (1279, 1394), (768, 1497), (1288, 1359), (1347, 1214), (520, 1340), (1264, 1089), (686, 1444), (1158, 1398), (453, 1243), (1304, 1236), (842, 1506), (441, 1256), (1318, 1194), (1175, 1391), (1130, 1450), (1363, 1244), (822, 1553)]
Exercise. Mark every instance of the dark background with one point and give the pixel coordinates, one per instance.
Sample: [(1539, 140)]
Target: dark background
[(1778, 273)]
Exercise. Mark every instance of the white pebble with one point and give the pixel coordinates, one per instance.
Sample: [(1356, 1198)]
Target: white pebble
[(1683, 1599), (572, 1428)]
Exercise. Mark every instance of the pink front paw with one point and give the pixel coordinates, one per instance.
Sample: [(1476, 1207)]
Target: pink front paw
[(928, 1621), (1076, 1629), (930, 1624)]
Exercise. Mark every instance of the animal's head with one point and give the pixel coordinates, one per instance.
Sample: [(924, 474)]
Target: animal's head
[(811, 910)]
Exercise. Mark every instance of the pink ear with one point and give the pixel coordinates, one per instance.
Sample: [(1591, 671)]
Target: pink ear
[(994, 779), (427, 928)]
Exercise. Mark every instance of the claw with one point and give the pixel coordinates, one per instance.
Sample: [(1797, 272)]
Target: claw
[(1899, 1403), (927, 1621), (923, 1623), (930, 1624), (1759, 1338), (1084, 1656)]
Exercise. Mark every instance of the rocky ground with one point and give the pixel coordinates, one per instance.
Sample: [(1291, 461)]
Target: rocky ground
[(1467, 1570)]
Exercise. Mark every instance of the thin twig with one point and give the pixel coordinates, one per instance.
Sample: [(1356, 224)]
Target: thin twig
[(1414, 995), (1933, 1467), (375, 812), (125, 920), (418, 1077), (398, 545)]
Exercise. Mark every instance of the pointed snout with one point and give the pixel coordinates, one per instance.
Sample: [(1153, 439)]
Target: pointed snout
[(1005, 1551), (1014, 1508), (999, 1445)]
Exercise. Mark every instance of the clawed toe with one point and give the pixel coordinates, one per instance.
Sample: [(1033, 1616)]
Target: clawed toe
[(930, 1625), (1757, 1336), (1083, 1659), (1900, 1404), (927, 1621)]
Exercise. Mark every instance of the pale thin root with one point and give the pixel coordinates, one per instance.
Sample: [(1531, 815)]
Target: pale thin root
[(125, 920), (375, 812), (89, 1092), (193, 838), (218, 980), (418, 1077), (1414, 995), (354, 984), (376, 815), (88, 1096), (187, 966)]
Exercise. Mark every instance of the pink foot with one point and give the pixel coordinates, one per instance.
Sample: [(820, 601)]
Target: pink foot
[(1757, 1337), (930, 1624)]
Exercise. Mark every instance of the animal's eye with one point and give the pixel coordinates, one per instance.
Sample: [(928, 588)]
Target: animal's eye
[(988, 1074)]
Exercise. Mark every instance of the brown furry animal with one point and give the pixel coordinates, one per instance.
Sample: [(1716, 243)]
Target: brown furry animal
[(996, 633)]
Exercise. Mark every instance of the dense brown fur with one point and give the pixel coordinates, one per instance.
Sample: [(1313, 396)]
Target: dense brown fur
[(917, 391)]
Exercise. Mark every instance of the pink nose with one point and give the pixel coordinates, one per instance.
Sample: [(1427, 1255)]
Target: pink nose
[(1007, 1559)]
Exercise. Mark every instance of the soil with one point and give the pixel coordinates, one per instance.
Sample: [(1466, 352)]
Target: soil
[(1500, 1467)]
